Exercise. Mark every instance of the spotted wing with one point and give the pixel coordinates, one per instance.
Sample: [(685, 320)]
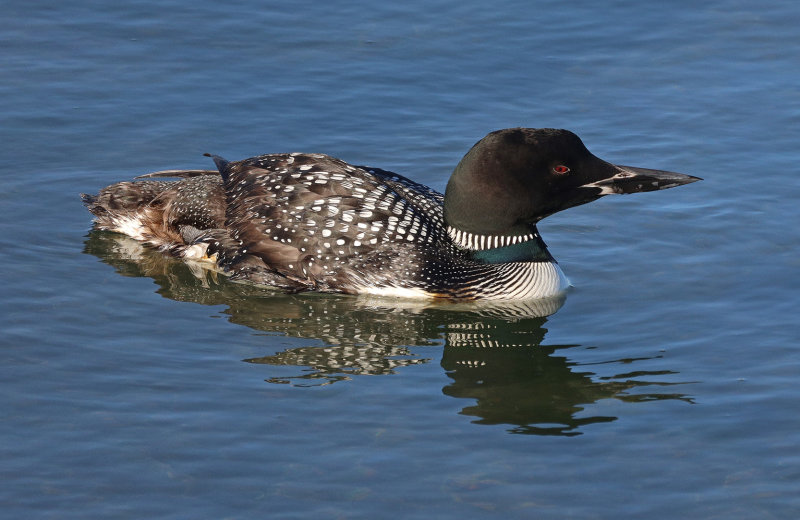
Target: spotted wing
[(323, 223)]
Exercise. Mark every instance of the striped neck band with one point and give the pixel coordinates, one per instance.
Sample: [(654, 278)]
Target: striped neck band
[(475, 242)]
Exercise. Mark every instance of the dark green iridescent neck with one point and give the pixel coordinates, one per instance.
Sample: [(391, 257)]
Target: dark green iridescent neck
[(533, 250)]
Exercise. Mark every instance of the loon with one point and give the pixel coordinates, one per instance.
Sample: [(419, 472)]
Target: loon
[(311, 222)]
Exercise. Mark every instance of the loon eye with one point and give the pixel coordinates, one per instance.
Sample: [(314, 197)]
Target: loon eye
[(560, 169)]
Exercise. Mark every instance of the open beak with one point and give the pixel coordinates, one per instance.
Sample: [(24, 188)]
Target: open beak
[(629, 179)]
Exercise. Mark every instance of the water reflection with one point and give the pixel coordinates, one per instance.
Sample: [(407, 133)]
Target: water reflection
[(492, 353)]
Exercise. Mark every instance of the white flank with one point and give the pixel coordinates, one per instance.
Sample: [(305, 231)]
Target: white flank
[(396, 292), (518, 281)]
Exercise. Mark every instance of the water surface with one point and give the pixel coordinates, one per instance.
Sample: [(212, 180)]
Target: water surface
[(136, 386)]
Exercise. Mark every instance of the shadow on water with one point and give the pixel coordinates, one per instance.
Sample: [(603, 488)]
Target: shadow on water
[(492, 353)]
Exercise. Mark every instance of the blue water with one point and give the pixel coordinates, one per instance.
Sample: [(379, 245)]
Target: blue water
[(665, 387)]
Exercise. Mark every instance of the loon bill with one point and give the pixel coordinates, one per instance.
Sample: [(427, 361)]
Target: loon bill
[(310, 222)]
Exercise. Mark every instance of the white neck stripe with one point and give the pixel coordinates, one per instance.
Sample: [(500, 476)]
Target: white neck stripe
[(475, 242)]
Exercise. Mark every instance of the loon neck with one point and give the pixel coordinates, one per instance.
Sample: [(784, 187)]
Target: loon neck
[(497, 249)]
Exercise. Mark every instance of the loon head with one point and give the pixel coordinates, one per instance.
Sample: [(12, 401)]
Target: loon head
[(513, 178)]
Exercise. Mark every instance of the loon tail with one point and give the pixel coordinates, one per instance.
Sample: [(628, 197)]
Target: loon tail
[(222, 165)]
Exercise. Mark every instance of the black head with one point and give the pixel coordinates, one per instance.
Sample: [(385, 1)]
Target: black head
[(515, 177)]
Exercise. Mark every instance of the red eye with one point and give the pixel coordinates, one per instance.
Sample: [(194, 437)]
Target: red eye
[(560, 169)]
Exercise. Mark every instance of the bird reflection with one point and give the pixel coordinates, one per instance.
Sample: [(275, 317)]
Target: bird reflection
[(514, 379), (493, 353)]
